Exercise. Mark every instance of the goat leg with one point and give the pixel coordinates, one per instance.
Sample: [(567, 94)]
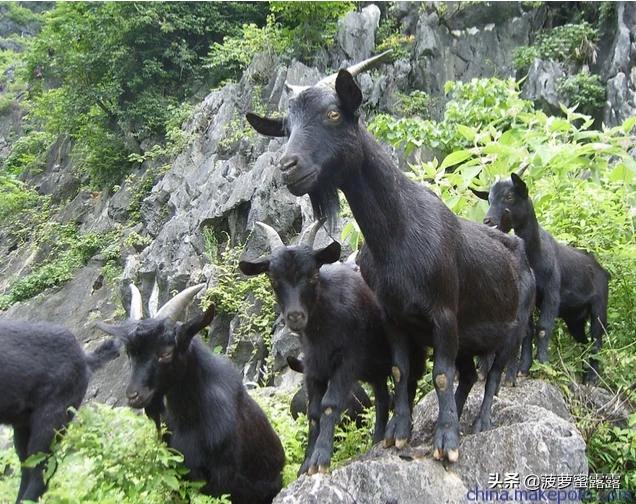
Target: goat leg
[(445, 340), (315, 392), (382, 403), (549, 311), (398, 430), (332, 405)]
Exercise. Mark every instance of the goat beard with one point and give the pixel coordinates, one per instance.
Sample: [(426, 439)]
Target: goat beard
[(326, 205)]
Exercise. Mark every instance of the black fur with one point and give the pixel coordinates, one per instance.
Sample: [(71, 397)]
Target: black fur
[(357, 402), (224, 436), (43, 372), (571, 284), (343, 341), (444, 282)]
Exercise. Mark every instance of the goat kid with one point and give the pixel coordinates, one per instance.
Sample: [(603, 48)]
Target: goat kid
[(43, 372), (341, 328), (444, 282), (224, 436), (571, 284)]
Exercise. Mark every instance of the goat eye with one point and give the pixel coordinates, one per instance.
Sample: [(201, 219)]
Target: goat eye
[(509, 197), (333, 115)]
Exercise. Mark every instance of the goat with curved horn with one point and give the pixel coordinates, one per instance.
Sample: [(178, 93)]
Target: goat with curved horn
[(521, 170), (173, 308), (309, 235), (358, 68), (136, 309), (273, 237)]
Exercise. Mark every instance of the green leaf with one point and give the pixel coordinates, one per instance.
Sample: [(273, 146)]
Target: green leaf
[(467, 132), (455, 158)]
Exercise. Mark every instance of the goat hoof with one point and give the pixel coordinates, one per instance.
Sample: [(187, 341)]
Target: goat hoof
[(437, 454), (400, 443), (453, 455), (389, 442), (323, 469), (312, 470)]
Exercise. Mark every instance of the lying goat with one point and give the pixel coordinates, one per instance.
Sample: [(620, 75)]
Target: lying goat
[(357, 402), (43, 372), (442, 281), (341, 329), (224, 436), (571, 284)]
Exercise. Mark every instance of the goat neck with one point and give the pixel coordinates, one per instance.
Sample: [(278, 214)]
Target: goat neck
[(377, 193)]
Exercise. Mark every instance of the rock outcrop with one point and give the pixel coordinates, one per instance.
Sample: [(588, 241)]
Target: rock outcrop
[(533, 436)]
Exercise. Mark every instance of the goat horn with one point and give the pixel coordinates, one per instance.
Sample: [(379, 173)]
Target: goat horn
[(274, 238), (309, 235), (358, 68), (136, 309), (522, 169), (352, 257), (175, 306)]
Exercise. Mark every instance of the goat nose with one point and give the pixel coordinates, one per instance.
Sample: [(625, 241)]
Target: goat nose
[(287, 163), (296, 317), (488, 221), (132, 395)]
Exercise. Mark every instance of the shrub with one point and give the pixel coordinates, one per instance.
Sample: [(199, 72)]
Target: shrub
[(574, 43), (584, 90)]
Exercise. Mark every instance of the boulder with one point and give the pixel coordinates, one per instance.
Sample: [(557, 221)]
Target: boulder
[(541, 85), (532, 436), (356, 32)]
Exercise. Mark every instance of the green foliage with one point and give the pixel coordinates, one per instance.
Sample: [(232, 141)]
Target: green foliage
[(67, 251), (416, 103), (585, 90), (400, 43), (28, 153), (228, 59), (613, 450), (309, 25), (479, 102), (295, 29), (16, 197), (350, 440), (112, 456), (250, 298), (18, 14), (121, 69), (574, 43)]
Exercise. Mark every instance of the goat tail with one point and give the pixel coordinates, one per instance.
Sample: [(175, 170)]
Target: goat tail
[(103, 354)]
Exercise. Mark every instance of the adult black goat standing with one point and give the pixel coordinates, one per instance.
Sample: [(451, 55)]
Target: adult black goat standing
[(341, 328), (444, 282), (43, 372), (224, 436), (571, 284)]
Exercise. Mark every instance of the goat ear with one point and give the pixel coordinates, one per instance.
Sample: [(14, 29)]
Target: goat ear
[(251, 268), (520, 186), (266, 126), (121, 332), (480, 194), (329, 254), (348, 91), (295, 364), (187, 330)]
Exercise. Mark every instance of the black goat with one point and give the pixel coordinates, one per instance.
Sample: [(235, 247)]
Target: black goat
[(43, 372), (224, 436), (357, 402), (341, 328), (444, 282), (571, 284)]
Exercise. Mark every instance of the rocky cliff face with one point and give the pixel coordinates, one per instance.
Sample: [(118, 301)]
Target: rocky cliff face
[(226, 177)]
